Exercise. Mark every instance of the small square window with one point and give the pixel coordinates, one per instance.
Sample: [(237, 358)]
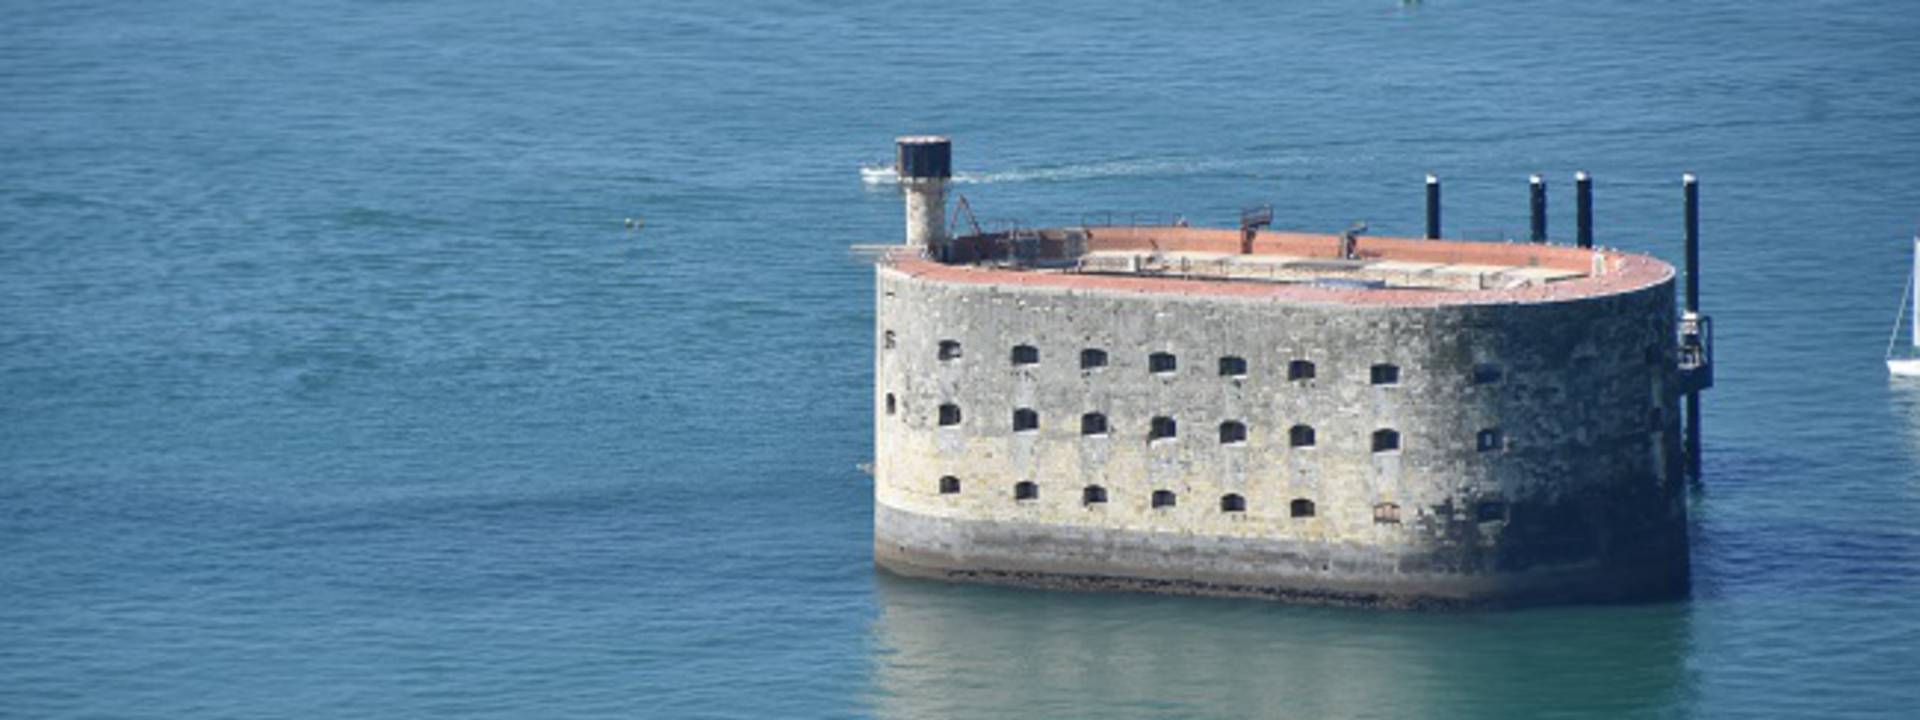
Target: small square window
[(949, 349), (1487, 374), (1490, 511), (1092, 358), (1300, 436), (1233, 433), (1233, 367), (1162, 428), (1093, 424), (1489, 440), (1025, 420), (1300, 370), (1160, 362), (1386, 374), (1026, 355)]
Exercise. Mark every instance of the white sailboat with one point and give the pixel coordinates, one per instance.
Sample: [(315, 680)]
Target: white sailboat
[(1908, 366)]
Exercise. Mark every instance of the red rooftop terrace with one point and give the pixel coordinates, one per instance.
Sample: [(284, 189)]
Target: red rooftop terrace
[(1284, 266)]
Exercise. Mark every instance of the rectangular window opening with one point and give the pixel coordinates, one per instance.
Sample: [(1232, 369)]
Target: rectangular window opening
[(1487, 374), (1026, 420), (1093, 424), (1162, 428), (1385, 374), (1300, 370)]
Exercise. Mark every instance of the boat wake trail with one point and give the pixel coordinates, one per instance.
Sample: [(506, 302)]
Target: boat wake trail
[(1138, 168)]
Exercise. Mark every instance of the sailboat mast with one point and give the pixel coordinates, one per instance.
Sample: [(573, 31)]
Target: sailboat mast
[(1916, 291)]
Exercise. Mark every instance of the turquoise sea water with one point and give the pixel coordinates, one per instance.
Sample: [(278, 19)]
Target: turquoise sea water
[(332, 385)]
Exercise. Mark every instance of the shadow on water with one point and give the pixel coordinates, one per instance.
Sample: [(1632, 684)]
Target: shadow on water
[(945, 650)]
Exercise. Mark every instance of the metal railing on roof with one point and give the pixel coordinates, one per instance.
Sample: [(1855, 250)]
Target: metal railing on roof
[(1107, 218)]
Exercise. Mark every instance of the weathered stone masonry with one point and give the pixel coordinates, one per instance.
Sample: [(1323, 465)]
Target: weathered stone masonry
[(1536, 461)]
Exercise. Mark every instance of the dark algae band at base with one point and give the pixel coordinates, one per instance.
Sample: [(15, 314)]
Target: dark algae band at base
[(1064, 558)]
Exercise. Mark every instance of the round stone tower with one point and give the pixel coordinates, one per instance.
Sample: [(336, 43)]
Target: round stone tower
[(925, 163)]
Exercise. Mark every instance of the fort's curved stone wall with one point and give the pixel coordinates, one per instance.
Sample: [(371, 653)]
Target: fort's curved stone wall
[(1571, 493)]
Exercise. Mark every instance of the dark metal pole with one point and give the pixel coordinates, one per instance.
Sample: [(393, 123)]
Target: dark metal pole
[(1691, 188), (1691, 185), (1538, 186), (1433, 207), (1583, 207)]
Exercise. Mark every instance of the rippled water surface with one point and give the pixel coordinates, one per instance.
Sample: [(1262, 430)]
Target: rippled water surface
[(333, 385)]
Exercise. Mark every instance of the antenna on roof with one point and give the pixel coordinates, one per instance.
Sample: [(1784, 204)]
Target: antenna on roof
[(962, 207)]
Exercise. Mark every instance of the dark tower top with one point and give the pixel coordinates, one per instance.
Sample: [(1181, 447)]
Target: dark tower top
[(925, 157)]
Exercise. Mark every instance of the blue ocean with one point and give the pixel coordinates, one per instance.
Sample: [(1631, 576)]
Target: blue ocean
[(334, 382)]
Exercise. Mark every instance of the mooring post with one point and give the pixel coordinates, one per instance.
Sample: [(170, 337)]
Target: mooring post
[(1538, 187), (1691, 186), (1583, 207), (1433, 207), (1690, 322)]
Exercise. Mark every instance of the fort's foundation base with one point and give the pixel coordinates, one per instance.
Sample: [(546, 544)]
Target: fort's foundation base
[(1095, 559)]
